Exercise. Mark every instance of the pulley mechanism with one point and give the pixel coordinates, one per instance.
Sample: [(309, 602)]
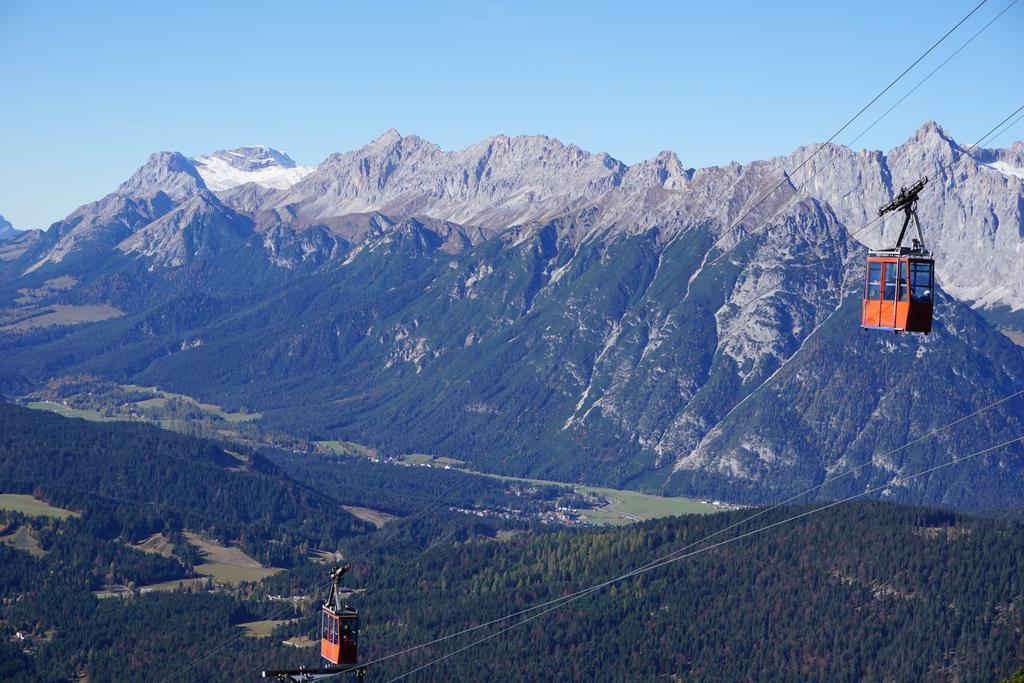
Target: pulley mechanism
[(906, 201)]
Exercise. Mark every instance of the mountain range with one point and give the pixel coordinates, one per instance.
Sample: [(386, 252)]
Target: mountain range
[(534, 308)]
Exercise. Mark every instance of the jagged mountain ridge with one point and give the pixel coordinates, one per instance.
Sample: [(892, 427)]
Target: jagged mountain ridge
[(972, 214), (603, 343)]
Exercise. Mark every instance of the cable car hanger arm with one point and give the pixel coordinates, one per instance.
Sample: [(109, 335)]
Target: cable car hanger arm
[(906, 201)]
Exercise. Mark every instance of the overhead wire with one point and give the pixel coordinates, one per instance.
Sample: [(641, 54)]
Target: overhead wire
[(767, 224), (966, 154), (797, 191), (787, 175), (666, 560), (745, 520), (753, 207), (932, 73), (392, 534), (988, 136), (834, 135), (750, 210)]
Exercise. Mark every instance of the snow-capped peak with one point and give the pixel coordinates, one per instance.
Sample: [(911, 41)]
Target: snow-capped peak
[(228, 168)]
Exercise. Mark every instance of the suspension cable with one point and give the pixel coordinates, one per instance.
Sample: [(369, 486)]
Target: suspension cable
[(649, 565), (668, 559)]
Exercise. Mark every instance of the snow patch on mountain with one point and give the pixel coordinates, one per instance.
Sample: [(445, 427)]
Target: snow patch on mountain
[(1006, 169), (265, 166)]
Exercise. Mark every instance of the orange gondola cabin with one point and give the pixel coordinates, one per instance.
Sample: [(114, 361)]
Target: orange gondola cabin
[(339, 640), (339, 627), (899, 287)]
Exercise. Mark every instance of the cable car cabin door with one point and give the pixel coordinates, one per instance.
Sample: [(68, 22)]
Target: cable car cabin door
[(330, 648), (898, 294)]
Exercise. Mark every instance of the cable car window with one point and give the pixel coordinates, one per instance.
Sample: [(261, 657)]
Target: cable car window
[(330, 629), (890, 281), (921, 282), (874, 280), (902, 289)]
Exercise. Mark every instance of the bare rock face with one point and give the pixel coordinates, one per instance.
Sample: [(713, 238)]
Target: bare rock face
[(166, 172), (697, 325), (495, 183), (246, 198), (92, 230), (971, 211), (200, 227)]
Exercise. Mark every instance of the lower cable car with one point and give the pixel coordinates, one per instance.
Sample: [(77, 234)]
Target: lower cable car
[(339, 641), (339, 626), (899, 288)]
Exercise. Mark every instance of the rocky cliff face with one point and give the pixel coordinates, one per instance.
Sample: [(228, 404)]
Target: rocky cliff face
[(495, 183), (540, 310), (972, 214), (201, 227)]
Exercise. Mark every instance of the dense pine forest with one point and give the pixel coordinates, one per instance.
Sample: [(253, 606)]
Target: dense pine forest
[(866, 591)]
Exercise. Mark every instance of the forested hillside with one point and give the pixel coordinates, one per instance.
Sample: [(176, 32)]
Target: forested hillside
[(862, 592), (162, 479), (845, 594)]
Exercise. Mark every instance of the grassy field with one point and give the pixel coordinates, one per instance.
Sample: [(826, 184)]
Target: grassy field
[(162, 397), (324, 557), (604, 517), (60, 314), (262, 629), (33, 507), (301, 642), (625, 507), (416, 459), (374, 517), (157, 402), (632, 504), (226, 564), (424, 459), (336, 447), (115, 591), (176, 584), (23, 540), (119, 591), (91, 415), (157, 544)]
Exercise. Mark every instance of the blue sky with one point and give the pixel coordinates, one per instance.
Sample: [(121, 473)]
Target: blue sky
[(90, 89)]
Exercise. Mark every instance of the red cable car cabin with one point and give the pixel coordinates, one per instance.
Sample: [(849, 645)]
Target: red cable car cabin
[(899, 292), (899, 287), (339, 635), (339, 626)]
